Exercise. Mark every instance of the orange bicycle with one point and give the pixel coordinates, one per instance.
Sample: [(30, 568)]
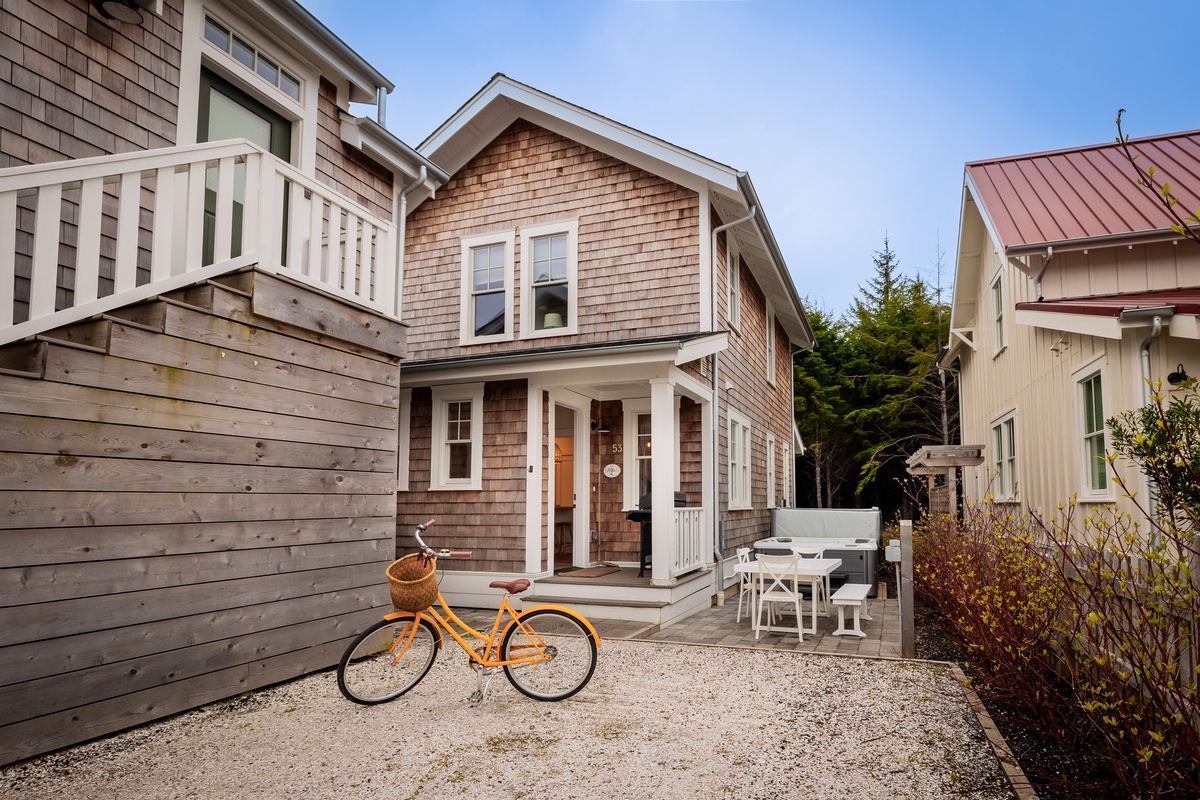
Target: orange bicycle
[(547, 652)]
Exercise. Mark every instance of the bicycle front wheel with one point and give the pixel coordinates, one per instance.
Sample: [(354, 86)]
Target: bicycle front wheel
[(564, 647), (387, 660)]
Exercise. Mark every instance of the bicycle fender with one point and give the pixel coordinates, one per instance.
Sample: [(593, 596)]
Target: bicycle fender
[(569, 612), (403, 614)]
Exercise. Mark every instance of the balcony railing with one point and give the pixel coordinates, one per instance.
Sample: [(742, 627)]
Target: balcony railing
[(80, 238), (689, 540)]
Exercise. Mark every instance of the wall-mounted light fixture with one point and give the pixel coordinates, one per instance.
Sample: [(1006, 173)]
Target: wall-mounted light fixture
[(120, 10), (1178, 376)]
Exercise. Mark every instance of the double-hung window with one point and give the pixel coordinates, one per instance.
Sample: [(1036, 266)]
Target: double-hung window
[(1004, 459), (1095, 467), (770, 343), (456, 457), (487, 274), (772, 489), (548, 277), (739, 461), (998, 312), (734, 276)]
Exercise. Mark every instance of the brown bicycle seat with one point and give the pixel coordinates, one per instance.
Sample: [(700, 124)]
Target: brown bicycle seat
[(512, 587)]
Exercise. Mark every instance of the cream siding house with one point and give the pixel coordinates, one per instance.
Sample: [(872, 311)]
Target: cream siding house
[(581, 349), (1071, 291)]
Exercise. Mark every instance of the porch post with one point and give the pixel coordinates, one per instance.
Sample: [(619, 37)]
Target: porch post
[(534, 518), (663, 454), (708, 492)]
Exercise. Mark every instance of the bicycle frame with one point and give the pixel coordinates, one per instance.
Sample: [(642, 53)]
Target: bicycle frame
[(487, 654)]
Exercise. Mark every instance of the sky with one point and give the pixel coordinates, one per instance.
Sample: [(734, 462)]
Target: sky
[(853, 118)]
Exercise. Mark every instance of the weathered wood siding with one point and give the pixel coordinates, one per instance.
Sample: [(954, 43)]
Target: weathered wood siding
[(342, 167), (768, 407), (638, 256), (196, 499), (491, 522)]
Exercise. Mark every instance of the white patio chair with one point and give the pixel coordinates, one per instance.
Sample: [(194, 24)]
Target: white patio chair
[(815, 551), (777, 587), (745, 583)]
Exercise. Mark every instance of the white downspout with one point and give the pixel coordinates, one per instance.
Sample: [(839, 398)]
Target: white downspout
[(402, 217), (1045, 264), (1156, 317), (718, 544)]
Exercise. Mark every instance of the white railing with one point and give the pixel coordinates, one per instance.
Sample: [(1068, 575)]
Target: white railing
[(79, 238), (689, 540)]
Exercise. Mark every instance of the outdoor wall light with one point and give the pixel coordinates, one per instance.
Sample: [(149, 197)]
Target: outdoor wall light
[(1178, 376), (120, 10)]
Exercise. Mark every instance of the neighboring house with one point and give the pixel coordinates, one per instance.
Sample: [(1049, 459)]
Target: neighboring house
[(597, 318), (199, 356), (1071, 291)]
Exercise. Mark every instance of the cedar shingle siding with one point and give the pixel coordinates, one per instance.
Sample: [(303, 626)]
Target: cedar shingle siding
[(344, 168), (638, 250), (72, 86)]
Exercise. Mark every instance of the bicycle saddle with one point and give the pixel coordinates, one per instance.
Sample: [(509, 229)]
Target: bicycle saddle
[(512, 587)]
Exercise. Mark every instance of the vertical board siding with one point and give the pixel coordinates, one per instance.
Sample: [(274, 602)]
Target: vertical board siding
[(638, 254), (198, 510)]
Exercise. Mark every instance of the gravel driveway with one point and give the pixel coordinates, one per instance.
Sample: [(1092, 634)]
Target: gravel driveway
[(657, 721)]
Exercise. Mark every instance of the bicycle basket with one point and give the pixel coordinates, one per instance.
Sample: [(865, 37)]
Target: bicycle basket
[(413, 582)]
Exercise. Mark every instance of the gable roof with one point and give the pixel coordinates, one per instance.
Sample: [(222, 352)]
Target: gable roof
[(503, 100), (1084, 196)]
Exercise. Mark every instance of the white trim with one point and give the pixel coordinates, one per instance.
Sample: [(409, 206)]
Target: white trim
[(631, 409), (466, 331), (999, 330), (442, 396), (403, 446), (733, 281), (771, 345), (741, 472), (538, 504), (772, 485), (528, 233), (1094, 368), (1004, 488)]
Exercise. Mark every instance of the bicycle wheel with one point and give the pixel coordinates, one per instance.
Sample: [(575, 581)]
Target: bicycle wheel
[(379, 666), (564, 639)]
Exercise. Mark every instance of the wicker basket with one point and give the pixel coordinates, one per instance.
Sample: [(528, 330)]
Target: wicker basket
[(413, 582)]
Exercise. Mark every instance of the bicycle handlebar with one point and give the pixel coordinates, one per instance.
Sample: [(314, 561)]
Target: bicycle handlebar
[(429, 551)]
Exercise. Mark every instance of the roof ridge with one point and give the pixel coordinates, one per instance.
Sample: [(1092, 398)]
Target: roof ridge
[(1192, 134)]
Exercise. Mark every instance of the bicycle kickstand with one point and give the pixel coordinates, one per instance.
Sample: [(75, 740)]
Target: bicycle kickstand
[(481, 687)]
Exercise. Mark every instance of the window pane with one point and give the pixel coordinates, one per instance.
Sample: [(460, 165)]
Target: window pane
[(268, 71), (489, 314), (550, 307), (459, 461), (558, 246), (216, 34), (243, 52), (290, 86), (1099, 467), (541, 249)]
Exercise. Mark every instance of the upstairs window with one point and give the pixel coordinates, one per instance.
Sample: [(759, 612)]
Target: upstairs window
[(548, 270), (998, 312), (734, 260), (770, 343), (250, 58), (487, 274)]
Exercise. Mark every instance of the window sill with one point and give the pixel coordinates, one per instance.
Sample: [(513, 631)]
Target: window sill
[(455, 487), (998, 351)]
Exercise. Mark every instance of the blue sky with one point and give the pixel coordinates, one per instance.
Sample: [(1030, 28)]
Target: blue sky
[(854, 119)]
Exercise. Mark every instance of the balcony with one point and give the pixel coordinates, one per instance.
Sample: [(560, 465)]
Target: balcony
[(81, 238)]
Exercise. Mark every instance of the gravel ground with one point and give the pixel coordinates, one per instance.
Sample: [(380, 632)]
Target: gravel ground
[(657, 721)]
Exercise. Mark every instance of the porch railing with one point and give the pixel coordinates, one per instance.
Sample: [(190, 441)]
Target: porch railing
[(689, 540), (79, 238)]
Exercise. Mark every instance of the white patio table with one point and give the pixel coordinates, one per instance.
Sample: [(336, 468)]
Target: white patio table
[(814, 571)]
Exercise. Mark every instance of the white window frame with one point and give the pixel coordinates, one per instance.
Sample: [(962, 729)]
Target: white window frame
[(733, 273), (468, 244), (1005, 452), (528, 233), (740, 447), (770, 343), (1083, 376), (403, 448), (997, 306), (197, 52), (772, 487), (438, 463), (786, 452), (631, 410)]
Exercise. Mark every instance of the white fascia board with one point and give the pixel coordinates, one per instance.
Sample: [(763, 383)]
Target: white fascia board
[(701, 348), (578, 124), (1184, 326), (385, 148), (1086, 324)]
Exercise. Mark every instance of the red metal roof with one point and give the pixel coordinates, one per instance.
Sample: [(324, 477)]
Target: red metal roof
[(1085, 193), (1185, 301)]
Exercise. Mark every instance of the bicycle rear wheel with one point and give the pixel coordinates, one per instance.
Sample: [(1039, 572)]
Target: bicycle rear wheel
[(383, 664), (569, 651)]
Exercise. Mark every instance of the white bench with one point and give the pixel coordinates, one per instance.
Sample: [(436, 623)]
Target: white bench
[(850, 594)]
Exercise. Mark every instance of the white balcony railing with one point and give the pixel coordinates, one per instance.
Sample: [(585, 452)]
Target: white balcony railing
[(79, 238), (689, 540)]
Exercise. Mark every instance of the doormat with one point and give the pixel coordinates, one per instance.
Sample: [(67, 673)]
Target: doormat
[(590, 572)]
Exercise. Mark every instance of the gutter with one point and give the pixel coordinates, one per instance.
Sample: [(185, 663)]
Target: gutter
[(718, 543)]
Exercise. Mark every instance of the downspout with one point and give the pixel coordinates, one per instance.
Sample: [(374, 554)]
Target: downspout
[(718, 541), (402, 212), (381, 106), (1156, 317), (1045, 263)]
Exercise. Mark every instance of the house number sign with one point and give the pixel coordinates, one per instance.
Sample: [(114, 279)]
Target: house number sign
[(611, 470)]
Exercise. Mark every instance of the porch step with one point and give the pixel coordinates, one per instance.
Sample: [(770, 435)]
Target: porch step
[(593, 601)]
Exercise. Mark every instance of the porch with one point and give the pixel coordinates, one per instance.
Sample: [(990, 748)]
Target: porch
[(623, 595)]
